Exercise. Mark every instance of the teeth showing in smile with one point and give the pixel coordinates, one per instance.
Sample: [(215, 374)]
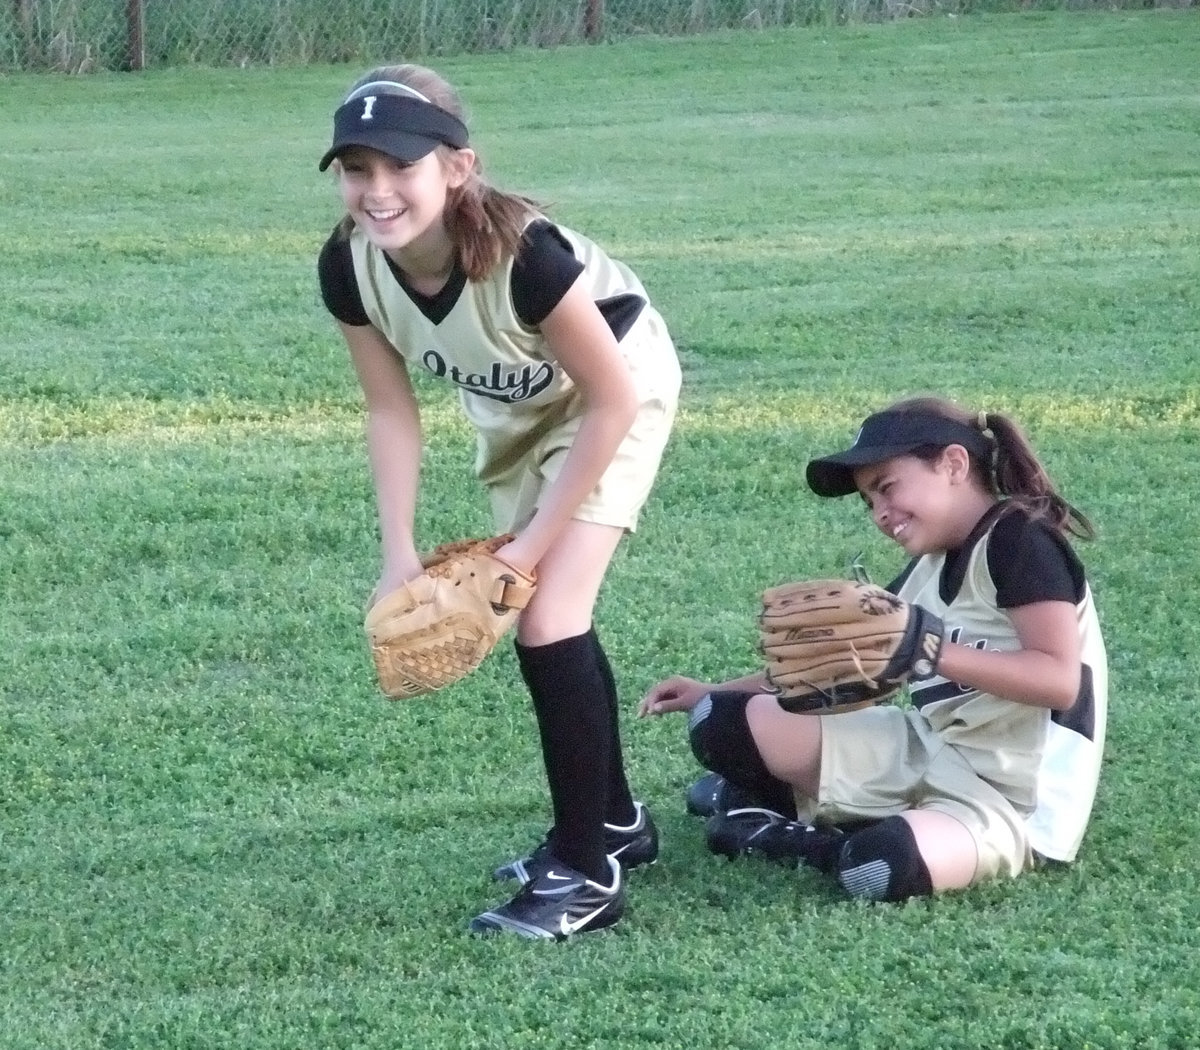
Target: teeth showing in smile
[(899, 529), (383, 216)]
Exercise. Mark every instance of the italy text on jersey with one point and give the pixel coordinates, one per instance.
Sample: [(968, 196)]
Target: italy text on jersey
[(511, 385)]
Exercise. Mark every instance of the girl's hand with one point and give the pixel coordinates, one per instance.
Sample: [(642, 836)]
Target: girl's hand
[(514, 553), (674, 694), (395, 576)]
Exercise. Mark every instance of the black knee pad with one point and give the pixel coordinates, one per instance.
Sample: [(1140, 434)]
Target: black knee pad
[(721, 741), (882, 863), (719, 733)]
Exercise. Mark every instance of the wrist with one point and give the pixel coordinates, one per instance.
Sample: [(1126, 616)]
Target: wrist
[(929, 643)]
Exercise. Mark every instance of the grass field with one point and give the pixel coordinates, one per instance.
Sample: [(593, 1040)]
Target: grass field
[(215, 834)]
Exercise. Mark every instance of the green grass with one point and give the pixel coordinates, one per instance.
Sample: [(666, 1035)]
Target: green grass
[(215, 834)]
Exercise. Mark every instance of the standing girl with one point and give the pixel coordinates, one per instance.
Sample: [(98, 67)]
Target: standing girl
[(570, 379), (996, 762)]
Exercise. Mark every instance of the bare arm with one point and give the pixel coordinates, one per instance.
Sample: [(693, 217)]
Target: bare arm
[(581, 341), (393, 448), (1044, 672), (682, 694)]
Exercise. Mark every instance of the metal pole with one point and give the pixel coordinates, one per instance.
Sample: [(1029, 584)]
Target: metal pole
[(135, 22), (593, 20), (24, 12)]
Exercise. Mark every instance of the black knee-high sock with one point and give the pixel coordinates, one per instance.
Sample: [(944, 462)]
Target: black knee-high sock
[(620, 798), (572, 711)]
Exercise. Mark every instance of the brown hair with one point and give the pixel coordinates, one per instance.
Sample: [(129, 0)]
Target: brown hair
[(1015, 472), (485, 224)]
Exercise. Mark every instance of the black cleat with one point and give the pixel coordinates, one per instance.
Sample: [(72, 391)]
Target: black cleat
[(633, 846), (765, 833), (636, 844), (557, 903), (713, 794)]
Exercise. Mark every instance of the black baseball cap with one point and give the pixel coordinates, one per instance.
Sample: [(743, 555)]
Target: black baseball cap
[(884, 436), (395, 120)]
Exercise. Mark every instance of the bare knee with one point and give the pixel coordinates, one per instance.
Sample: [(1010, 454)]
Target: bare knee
[(549, 622), (947, 848), (790, 744), (570, 575)]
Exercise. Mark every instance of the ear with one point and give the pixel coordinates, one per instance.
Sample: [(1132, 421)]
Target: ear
[(956, 462), (459, 165)]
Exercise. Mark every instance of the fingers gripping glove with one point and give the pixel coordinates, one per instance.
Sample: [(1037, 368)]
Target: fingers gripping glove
[(438, 627), (838, 645)]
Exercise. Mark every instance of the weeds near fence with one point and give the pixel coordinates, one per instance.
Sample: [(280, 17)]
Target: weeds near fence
[(68, 36)]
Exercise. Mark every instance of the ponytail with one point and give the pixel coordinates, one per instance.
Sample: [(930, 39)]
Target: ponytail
[(485, 224), (1014, 471), (1018, 474)]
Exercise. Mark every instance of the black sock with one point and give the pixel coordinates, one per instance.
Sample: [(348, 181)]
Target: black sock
[(621, 811), (573, 718)]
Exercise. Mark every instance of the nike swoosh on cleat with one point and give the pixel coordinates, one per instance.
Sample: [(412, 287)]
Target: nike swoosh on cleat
[(552, 874), (566, 927)]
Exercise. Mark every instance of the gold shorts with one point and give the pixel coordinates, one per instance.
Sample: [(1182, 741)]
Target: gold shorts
[(882, 761), (618, 498)]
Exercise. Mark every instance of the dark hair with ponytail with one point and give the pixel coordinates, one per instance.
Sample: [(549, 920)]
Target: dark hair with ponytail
[(485, 224), (1014, 473)]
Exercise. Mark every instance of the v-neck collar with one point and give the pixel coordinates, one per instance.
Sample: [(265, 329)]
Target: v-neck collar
[(434, 308)]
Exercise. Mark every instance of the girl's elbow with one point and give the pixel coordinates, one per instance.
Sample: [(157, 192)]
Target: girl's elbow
[(621, 411), (1065, 696), (631, 404)]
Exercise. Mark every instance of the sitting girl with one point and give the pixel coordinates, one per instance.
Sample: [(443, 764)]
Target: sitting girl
[(997, 760)]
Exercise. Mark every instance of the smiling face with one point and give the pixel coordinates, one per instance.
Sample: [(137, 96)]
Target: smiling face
[(400, 207), (924, 506)]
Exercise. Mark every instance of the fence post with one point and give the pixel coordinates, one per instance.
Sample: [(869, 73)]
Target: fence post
[(593, 20), (23, 9), (135, 24)]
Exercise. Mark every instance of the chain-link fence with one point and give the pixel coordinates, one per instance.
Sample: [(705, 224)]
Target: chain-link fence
[(80, 36), (85, 35)]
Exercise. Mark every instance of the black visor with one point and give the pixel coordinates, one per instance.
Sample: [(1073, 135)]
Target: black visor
[(402, 127), (884, 436)]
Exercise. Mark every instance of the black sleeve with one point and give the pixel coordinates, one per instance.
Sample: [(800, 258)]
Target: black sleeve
[(1030, 561), (339, 287), (545, 267)]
